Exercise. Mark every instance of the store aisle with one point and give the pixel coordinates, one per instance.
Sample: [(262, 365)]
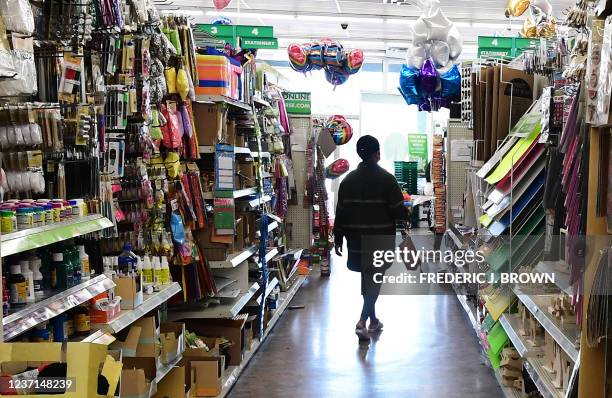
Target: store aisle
[(427, 349)]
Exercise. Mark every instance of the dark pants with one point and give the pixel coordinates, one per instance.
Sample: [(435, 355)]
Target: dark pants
[(370, 291)]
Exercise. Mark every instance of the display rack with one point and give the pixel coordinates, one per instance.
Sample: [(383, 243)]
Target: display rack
[(33, 238), (222, 310), (561, 272), (34, 314), (219, 99), (233, 372), (235, 259), (150, 302)]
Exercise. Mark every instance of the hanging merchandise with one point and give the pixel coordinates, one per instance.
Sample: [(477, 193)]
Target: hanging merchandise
[(430, 79), (539, 23), (326, 54), (339, 128), (337, 168)]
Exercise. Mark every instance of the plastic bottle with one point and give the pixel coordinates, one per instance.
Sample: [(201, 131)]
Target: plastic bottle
[(17, 286), (127, 259), (76, 264), (147, 270), (5, 297), (29, 277), (156, 270), (82, 325), (84, 260), (59, 268), (165, 271), (69, 267), (35, 265)]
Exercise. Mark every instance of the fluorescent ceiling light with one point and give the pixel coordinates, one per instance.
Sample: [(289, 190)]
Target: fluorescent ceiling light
[(400, 44), (250, 15), (462, 24), (494, 25), (183, 12), (374, 54), (396, 21), (324, 18), (363, 43)]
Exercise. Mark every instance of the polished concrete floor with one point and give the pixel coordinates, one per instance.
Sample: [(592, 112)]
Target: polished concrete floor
[(426, 350)]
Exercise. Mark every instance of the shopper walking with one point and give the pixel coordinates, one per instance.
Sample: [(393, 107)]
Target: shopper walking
[(369, 203)]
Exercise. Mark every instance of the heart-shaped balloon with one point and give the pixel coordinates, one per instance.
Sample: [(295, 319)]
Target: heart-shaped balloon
[(221, 4)]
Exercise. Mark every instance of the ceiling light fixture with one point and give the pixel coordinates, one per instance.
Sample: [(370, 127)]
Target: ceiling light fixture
[(462, 24), (396, 21), (324, 18), (253, 15), (494, 25), (183, 12)]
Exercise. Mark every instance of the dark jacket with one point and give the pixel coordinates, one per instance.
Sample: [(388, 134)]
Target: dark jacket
[(369, 203)]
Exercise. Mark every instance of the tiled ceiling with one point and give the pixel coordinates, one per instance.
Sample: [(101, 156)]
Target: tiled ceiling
[(372, 25)]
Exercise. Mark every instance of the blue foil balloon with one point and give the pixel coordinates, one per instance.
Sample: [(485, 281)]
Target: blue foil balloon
[(409, 81), (336, 77), (451, 82), (410, 99), (222, 21)]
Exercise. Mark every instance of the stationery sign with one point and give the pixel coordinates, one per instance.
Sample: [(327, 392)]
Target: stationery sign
[(297, 103), (417, 149)]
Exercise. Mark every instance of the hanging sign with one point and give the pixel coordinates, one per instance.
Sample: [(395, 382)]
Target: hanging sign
[(297, 103), (417, 148), (224, 167)]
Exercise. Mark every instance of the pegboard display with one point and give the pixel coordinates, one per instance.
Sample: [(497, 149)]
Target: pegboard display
[(466, 94), (459, 133), (298, 216)]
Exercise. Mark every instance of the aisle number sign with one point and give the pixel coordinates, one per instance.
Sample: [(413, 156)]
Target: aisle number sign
[(417, 149), (297, 103), (251, 36)]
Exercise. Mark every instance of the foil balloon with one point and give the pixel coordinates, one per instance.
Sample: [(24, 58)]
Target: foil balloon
[(409, 83), (222, 21), (451, 82), (354, 61), (440, 53), (326, 54), (336, 77), (340, 130), (436, 45), (428, 77), (221, 4), (298, 58), (540, 22), (416, 56), (333, 55), (337, 168)]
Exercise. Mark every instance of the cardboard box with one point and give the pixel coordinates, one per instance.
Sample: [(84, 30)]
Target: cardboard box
[(172, 338), (515, 97), (110, 309), (209, 120), (230, 328), (129, 288), (213, 251), (148, 344), (83, 361), (230, 134), (138, 377), (173, 385), (204, 373), (129, 346)]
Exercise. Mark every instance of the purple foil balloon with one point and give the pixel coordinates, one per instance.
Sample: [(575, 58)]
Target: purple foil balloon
[(424, 106), (428, 79)]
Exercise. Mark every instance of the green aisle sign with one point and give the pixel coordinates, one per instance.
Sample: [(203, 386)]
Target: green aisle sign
[(255, 42), (297, 103), (417, 148), (251, 36)]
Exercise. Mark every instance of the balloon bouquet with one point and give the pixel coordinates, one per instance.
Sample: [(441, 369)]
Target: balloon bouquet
[(430, 78), (328, 55), (540, 22), (341, 132)]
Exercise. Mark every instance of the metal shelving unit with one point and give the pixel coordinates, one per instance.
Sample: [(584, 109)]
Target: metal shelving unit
[(271, 227), (541, 379), (271, 285), (561, 334), (33, 238), (222, 310), (561, 272), (41, 311), (233, 372), (234, 259), (220, 99), (260, 102), (510, 324), (152, 301)]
